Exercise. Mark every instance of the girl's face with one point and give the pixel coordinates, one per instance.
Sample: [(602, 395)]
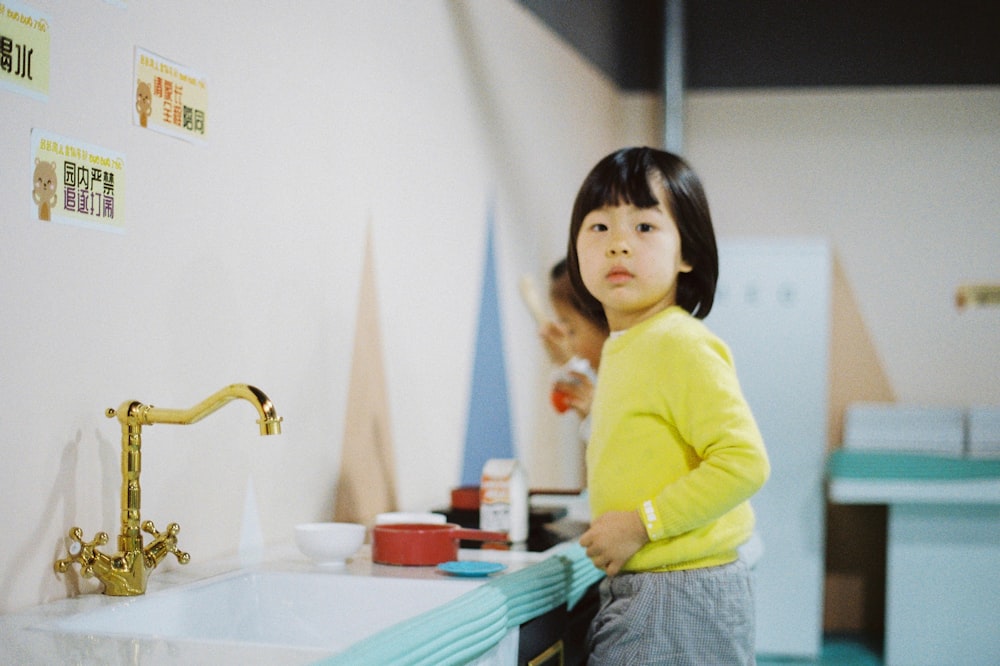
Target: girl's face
[(629, 260), (585, 339)]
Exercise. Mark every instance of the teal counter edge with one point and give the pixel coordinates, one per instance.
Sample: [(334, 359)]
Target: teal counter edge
[(471, 625), (862, 464)]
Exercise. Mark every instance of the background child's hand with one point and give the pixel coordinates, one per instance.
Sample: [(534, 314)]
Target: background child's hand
[(578, 394), (555, 337), (613, 538)]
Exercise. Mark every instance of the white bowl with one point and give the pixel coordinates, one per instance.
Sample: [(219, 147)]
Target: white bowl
[(395, 517), (329, 544)]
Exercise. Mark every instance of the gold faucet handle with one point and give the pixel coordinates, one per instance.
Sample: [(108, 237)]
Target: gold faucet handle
[(163, 543), (80, 551)]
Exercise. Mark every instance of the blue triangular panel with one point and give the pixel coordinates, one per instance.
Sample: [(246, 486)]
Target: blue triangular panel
[(489, 433)]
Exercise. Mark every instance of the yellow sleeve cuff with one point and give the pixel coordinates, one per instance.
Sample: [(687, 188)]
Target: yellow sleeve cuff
[(651, 521)]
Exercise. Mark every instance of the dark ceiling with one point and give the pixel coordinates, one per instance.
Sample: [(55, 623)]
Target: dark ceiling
[(787, 43)]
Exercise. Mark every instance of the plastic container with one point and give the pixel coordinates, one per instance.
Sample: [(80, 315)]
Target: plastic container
[(465, 498), (560, 400), (503, 499)]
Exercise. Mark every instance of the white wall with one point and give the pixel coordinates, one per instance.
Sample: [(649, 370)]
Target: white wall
[(906, 185), (241, 260)]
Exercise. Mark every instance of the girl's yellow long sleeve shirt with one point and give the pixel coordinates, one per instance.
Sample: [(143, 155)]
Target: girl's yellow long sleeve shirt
[(673, 438)]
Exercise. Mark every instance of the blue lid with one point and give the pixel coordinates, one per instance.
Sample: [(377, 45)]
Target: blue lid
[(471, 568)]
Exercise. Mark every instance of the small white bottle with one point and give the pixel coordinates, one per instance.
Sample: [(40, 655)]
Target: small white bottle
[(503, 499)]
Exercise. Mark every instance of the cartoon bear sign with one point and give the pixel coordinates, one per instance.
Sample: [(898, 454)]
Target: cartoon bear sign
[(143, 102), (44, 192)]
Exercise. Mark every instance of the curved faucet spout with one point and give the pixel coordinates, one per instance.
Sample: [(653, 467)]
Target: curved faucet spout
[(125, 573), (269, 421)]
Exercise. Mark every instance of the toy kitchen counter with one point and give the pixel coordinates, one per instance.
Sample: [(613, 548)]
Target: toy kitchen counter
[(943, 559)]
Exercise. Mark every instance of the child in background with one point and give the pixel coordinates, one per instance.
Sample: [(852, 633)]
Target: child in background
[(675, 453), (573, 342)]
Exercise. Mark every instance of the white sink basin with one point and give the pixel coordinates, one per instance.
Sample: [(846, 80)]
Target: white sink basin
[(289, 609)]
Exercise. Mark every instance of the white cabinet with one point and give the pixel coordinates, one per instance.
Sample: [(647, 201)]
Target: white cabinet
[(773, 309)]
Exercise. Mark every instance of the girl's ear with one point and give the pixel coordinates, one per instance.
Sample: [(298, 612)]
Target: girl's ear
[(684, 267)]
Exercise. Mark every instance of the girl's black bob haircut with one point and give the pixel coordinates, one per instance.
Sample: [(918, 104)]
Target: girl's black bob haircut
[(629, 177)]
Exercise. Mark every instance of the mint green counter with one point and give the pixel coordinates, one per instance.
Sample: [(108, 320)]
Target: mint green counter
[(854, 464), (897, 478), (943, 551), (469, 626)]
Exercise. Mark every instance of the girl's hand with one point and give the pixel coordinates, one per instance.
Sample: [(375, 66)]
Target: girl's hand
[(613, 538), (555, 337), (579, 393)]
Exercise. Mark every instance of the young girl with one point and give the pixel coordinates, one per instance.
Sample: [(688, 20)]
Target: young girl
[(675, 453)]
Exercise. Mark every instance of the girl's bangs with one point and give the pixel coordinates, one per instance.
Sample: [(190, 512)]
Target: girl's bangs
[(620, 183)]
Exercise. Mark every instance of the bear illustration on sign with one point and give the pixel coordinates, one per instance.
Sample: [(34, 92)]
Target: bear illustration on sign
[(143, 101), (44, 193)]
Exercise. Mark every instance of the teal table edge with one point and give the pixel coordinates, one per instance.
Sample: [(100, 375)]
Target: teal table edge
[(904, 466), (471, 625)]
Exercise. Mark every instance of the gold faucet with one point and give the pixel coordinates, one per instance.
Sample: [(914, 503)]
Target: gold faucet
[(125, 573)]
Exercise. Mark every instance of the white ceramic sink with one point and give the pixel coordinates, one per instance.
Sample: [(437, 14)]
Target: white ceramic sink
[(289, 609)]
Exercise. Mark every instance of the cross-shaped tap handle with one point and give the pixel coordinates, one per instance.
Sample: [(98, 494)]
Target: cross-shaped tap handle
[(163, 543), (81, 552)]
